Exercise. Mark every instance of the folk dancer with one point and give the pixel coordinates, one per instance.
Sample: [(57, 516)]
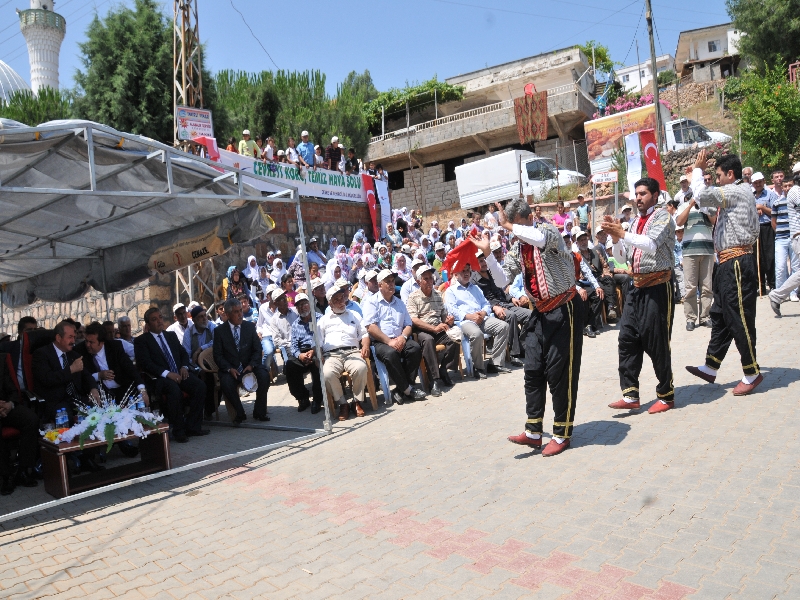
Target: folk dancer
[(734, 281), (553, 336), (646, 324)]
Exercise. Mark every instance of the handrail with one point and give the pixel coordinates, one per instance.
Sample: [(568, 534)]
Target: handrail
[(468, 114), (37, 16)]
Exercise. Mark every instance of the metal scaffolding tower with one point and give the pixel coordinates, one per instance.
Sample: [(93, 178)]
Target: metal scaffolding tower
[(186, 64)]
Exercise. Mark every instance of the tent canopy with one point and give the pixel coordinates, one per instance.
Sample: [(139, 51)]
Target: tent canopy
[(84, 205)]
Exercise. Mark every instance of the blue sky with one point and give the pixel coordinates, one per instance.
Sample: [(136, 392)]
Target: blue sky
[(397, 41)]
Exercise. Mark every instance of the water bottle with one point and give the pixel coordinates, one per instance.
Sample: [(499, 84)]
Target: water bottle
[(140, 403), (59, 418)]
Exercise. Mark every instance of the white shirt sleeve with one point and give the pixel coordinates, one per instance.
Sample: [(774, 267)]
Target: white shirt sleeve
[(496, 270), (620, 252), (642, 242), (530, 235)]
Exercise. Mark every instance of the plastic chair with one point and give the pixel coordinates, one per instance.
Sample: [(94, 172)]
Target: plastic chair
[(383, 377)]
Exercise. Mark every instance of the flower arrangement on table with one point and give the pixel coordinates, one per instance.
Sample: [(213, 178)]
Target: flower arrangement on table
[(107, 419)]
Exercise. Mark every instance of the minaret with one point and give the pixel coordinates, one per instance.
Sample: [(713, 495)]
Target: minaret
[(44, 31)]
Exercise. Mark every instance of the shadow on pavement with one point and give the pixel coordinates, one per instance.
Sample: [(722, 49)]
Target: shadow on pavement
[(593, 433)]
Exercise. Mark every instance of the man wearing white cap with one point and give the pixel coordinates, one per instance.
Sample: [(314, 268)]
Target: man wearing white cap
[(306, 149), (765, 198), (345, 347), (431, 324), (685, 189), (181, 321), (389, 325), (248, 147), (783, 293), (302, 358), (281, 322), (371, 279), (412, 284), (318, 292), (440, 254)]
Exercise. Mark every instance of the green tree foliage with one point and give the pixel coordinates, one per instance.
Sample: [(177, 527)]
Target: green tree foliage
[(769, 110), (419, 97), (127, 81), (283, 104), (666, 78), (772, 29), (47, 105), (602, 57)]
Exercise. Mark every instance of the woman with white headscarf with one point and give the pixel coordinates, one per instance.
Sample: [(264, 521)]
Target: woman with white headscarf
[(332, 273), (401, 268), (277, 271), (251, 271)]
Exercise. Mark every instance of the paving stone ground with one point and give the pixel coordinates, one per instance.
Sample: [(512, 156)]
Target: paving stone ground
[(429, 500)]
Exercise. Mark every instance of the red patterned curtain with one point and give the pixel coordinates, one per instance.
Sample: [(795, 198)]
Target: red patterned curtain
[(531, 114)]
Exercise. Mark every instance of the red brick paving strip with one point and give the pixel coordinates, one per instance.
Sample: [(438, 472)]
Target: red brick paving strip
[(511, 555)]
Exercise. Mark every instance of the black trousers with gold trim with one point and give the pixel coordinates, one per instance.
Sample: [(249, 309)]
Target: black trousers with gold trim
[(646, 328), (553, 342), (733, 314)]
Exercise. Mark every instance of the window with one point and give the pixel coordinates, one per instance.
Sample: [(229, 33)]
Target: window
[(626, 78), (450, 168), (713, 46), (539, 170), (396, 180)]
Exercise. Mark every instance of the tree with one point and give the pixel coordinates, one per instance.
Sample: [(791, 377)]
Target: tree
[(771, 29), (602, 57), (666, 78), (417, 98), (47, 105), (127, 82)]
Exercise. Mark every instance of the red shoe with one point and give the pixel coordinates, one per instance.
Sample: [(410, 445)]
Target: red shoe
[(554, 448), (704, 376), (660, 406), (622, 405), (524, 440), (742, 388)]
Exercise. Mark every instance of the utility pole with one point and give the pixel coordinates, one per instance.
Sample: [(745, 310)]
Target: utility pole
[(186, 66), (654, 71), (639, 67)]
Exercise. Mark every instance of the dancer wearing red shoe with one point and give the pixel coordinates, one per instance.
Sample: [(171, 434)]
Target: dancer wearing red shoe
[(735, 278), (646, 324), (553, 336)]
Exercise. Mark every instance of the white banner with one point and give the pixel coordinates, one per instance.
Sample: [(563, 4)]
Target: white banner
[(634, 153), (318, 184), (193, 122), (382, 186)]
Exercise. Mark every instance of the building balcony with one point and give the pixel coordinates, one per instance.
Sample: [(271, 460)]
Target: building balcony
[(478, 129), (37, 16)]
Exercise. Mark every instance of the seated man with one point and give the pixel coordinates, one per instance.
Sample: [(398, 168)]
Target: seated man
[(588, 287), (198, 337), (345, 347), (350, 305), (281, 322), (107, 363), (517, 292), (15, 349), (389, 325), (124, 326), (503, 305), (302, 358), (237, 350), (248, 314), (160, 354), (265, 313), (14, 414), (318, 291), (598, 264), (431, 322), (472, 312), (412, 284)]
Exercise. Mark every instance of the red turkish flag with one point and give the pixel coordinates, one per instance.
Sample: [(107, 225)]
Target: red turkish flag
[(211, 146), (369, 186), (463, 254), (652, 158)]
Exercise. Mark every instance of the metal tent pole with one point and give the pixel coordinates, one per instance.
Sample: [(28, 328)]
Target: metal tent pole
[(318, 347)]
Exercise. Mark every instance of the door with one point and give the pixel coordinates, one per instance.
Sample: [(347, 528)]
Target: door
[(540, 175)]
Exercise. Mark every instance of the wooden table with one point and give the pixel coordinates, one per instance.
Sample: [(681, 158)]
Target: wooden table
[(154, 452)]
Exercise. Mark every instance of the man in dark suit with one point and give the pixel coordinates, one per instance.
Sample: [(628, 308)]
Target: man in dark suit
[(159, 353), (13, 413), (15, 349), (58, 374), (108, 364), (237, 350)]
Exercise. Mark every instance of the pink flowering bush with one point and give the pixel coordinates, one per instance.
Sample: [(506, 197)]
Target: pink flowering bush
[(624, 103)]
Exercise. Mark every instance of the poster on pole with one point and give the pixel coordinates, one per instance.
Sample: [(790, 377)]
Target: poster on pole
[(382, 188), (605, 177), (634, 154), (193, 122)]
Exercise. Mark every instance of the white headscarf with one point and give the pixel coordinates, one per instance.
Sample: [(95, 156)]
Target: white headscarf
[(250, 271), (277, 273), (330, 271)]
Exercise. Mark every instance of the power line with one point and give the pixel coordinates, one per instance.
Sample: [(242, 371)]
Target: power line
[(253, 34), (624, 60), (594, 24)]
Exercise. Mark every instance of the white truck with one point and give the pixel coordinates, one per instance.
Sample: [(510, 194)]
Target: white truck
[(504, 176), (604, 135)]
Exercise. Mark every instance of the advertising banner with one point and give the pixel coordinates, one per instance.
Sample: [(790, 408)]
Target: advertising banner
[(193, 122), (187, 252), (319, 184), (604, 135), (634, 154), (382, 188)]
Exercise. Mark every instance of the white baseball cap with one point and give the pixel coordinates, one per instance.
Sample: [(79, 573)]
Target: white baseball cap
[(332, 291), (270, 288), (277, 293), (416, 262), (424, 269), (598, 229), (304, 133), (405, 248), (178, 306), (626, 207), (495, 245), (341, 146), (796, 168), (371, 274), (246, 132), (757, 176), (334, 139), (439, 246), (316, 282), (384, 274), (299, 298), (281, 153), (683, 178), (577, 232)]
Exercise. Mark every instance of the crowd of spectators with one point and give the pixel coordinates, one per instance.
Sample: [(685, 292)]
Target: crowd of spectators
[(306, 154)]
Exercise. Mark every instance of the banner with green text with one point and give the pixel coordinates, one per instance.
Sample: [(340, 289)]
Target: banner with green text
[(319, 184)]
